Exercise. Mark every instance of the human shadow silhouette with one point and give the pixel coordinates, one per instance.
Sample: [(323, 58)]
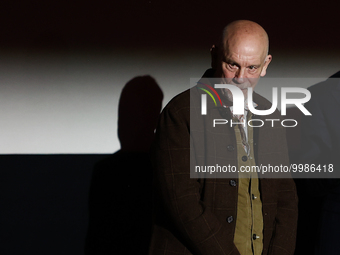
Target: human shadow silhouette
[(120, 197)]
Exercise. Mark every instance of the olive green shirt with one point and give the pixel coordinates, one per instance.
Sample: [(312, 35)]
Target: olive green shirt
[(248, 236)]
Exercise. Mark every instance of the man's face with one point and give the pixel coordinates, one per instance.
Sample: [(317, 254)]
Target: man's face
[(244, 62)]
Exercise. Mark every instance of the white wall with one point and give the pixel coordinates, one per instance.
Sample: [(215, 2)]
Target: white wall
[(67, 102)]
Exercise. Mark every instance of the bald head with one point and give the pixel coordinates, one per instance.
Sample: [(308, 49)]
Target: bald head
[(247, 34)]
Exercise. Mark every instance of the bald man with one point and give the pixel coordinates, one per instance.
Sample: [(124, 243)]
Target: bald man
[(244, 54), (240, 214)]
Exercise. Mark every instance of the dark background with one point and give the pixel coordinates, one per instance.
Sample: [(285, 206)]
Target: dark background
[(43, 198), (164, 24)]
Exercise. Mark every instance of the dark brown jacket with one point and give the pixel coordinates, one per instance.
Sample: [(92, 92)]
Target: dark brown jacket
[(198, 215)]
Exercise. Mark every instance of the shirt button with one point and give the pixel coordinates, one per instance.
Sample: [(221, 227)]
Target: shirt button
[(244, 158), (255, 237), (230, 219), (230, 148), (253, 196), (232, 183)]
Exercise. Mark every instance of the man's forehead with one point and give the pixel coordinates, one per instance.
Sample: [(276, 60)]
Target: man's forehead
[(250, 50), (243, 60), (246, 41)]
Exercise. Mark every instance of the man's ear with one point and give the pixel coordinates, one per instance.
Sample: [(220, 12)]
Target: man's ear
[(266, 63)]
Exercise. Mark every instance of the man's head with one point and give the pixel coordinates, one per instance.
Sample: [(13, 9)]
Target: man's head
[(244, 54)]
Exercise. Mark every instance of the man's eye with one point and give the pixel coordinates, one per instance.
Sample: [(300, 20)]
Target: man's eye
[(252, 67), (232, 66)]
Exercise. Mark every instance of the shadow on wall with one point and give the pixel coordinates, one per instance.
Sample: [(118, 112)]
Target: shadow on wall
[(44, 198), (120, 200)]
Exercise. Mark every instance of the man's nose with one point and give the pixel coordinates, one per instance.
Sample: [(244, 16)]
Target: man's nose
[(239, 76)]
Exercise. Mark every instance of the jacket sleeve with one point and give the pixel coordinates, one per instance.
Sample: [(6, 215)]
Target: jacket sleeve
[(184, 211)]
